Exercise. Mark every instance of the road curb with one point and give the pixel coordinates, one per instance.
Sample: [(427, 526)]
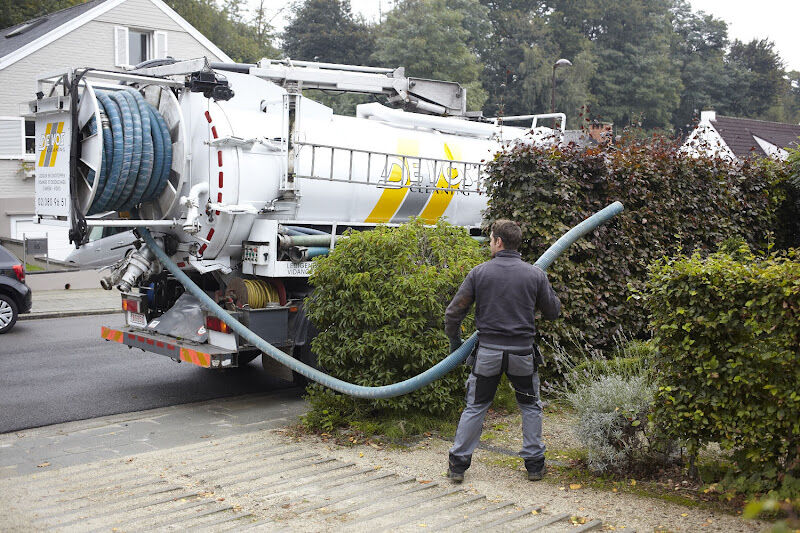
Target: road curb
[(67, 314)]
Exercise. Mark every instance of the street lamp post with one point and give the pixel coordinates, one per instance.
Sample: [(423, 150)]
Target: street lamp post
[(559, 63)]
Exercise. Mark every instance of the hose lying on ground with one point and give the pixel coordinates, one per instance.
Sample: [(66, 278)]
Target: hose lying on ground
[(360, 391)]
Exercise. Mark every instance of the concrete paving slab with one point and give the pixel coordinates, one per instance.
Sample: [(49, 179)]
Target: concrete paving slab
[(200, 467)]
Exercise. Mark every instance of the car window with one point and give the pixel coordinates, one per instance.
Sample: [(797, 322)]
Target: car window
[(113, 231), (95, 233), (7, 257)]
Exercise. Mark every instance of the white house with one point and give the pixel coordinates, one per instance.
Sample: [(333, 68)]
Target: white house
[(739, 138), (105, 34)]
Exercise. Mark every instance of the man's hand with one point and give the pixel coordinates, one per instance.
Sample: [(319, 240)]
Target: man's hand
[(455, 343)]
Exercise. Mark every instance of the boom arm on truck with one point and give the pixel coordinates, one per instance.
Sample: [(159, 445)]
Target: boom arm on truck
[(434, 97)]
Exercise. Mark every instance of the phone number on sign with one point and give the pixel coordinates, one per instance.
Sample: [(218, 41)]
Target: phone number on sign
[(51, 201)]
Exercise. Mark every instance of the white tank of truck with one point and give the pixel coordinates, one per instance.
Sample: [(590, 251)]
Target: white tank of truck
[(243, 178), (267, 152)]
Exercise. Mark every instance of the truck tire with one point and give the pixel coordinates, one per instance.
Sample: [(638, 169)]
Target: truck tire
[(8, 313), (304, 354)]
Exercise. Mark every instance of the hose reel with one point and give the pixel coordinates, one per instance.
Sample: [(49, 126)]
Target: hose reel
[(131, 150), (254, 293)]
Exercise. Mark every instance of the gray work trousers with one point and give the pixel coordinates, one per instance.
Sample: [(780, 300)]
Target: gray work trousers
[(490, 363)]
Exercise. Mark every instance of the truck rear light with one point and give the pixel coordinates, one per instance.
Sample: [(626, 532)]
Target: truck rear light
[(130, 305), (215, 324), (19, 270)]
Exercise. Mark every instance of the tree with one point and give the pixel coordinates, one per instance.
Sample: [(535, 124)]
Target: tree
[(14, 12), (327, 31), (227, 28), (635, 82), (791, 98), (698, 49), (517, 34), (756, 79), (433, 39)]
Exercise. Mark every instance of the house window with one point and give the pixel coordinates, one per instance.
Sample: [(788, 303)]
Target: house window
[(30, 136), (138, 46), (134, 46), (12, 137)]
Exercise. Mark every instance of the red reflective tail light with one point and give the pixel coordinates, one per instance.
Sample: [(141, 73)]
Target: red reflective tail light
[(215, 324), (130, 305), (19, 270)]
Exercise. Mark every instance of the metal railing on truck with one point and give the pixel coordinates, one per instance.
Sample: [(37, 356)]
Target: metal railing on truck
[(396, 171)]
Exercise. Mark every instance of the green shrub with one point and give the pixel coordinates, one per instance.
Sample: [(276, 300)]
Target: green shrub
[(728, 363), (788, 223), (379, 300), (672, 203)]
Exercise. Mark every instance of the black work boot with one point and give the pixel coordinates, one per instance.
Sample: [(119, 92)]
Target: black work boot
[(456, 466), (455, 477), (536, 469)]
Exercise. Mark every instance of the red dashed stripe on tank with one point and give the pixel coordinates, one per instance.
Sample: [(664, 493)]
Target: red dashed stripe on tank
[(214, 134)]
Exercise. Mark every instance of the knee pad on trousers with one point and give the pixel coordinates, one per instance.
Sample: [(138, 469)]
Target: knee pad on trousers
[(485, 388), (523, 389)]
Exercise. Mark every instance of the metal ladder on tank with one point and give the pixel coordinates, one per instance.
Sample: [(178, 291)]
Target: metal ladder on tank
[(387, 170)]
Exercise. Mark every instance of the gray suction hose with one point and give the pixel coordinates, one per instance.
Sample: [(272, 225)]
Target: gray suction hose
[(360, 391)]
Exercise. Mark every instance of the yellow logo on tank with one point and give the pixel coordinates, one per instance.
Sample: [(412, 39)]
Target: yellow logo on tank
[(399, 182)]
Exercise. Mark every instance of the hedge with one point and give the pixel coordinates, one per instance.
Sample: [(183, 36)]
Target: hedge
[(672, 203), (727, 332), (378, 303)]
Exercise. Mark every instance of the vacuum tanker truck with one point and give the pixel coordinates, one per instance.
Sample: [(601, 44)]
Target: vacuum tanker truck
[(242, 180)]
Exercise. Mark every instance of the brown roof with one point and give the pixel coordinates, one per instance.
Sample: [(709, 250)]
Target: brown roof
[(738, 134)]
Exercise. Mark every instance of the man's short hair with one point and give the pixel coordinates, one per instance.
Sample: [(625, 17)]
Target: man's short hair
[(509, 231)]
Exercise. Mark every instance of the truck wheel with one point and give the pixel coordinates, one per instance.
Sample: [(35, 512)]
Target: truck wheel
[(304, 354), (8, 313)]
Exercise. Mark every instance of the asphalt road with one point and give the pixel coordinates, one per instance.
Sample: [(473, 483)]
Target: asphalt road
[(59, 370)]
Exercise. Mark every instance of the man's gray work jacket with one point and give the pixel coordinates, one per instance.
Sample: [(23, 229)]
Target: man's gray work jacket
[(507, 291)]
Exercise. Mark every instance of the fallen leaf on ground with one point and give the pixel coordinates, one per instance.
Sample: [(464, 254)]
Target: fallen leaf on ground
[(42, 465), (574, 486)]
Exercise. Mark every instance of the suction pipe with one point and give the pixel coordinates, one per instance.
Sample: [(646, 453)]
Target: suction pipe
[(360, 391)]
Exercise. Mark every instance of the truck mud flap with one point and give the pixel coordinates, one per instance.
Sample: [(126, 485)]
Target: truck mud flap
[(206, 356)]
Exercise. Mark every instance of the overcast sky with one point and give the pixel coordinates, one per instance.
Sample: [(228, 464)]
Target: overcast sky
[(777, 20)]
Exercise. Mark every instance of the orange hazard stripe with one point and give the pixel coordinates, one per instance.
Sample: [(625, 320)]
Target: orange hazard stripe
[(111, 334), (194, 357)]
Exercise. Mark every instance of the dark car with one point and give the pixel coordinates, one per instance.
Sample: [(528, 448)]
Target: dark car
[(15, 296)]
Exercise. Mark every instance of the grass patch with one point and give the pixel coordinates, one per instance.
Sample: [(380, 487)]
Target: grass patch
[(380, 427), (396, 428), (566, 468), (33, 268)]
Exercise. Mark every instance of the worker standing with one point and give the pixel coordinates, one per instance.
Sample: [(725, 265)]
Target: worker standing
[(507, 292)]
